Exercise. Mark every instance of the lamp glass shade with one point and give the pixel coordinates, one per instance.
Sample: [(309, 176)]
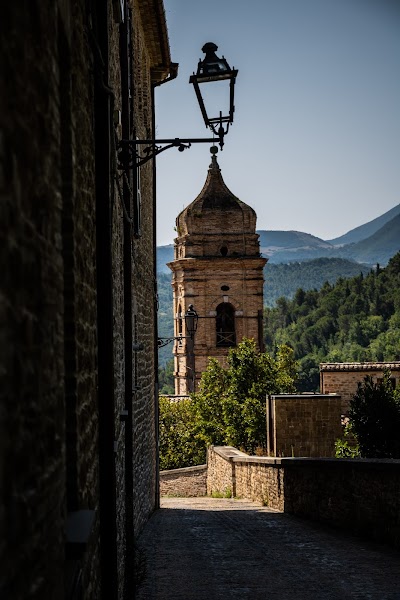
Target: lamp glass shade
[(191, 319), (215, 69)]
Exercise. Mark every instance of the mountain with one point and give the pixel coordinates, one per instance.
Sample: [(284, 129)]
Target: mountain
[(273, 241), (164, 255), (379, 247), (364, 231), (289, 246), (295, 246), (376, 241)]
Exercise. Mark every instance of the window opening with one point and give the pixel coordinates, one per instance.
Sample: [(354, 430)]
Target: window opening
[(225, 325)]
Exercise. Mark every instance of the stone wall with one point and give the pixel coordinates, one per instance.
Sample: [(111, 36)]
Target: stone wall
[(221, 471), (303, 425), (32, 424), (261, 480), (62, 227), (360, 495), (185, 482), (357, 495), (343, 378)]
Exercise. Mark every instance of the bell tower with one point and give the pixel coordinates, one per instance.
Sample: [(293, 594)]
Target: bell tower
[(218, 269)]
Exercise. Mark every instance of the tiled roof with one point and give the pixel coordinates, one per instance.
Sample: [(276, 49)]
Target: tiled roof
[(360, 366)]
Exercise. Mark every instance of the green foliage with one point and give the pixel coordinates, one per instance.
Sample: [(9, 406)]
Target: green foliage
[(179, 445), (166, 378), (348, 446), (355, 319), (231, 403), (375, 418), (230, 407)]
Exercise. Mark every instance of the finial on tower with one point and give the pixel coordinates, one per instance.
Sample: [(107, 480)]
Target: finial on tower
[(214, 164)]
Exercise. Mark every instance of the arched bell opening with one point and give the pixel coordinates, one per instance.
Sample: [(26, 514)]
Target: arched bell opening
[(225, 325)]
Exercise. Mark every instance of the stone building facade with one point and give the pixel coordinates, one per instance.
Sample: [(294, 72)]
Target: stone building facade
[(217, 268), (343, 378), (78, 430)]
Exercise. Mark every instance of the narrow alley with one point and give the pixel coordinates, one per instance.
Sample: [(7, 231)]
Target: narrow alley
[(212, 549)]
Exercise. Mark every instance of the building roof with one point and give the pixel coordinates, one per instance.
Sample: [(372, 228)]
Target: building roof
[(360, 366), (155, 30), (217, 201)]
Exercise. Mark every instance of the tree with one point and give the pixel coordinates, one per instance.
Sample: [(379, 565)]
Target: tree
[(375, 418), (231, 403), (179, 445)]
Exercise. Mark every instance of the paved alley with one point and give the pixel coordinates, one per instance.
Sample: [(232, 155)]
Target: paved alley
[(218, 549)]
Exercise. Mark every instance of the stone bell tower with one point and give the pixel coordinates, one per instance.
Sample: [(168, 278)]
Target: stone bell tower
[(217, 267)]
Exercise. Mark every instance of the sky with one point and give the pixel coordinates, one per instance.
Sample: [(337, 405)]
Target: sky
[(315, 144)]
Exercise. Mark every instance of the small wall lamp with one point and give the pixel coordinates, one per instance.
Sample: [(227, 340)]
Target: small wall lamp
[(191, 320)]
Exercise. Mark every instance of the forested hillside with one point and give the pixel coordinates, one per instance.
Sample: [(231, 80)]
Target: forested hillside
[(165, 315), (356, 319), (285, 279)]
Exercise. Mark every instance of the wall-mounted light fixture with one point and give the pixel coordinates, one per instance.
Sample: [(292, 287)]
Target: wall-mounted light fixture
[(214, 69), (191, 320), (210, 69)]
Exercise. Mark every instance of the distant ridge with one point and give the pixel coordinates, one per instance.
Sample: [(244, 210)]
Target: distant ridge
[(364, 231), (379, 247), (164, 255), (289, 239), (376, 241)]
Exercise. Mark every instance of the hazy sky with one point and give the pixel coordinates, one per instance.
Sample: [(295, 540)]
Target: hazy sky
[(315, 145)]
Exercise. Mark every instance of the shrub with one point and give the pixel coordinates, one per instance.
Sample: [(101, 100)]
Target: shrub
[(375, 418)]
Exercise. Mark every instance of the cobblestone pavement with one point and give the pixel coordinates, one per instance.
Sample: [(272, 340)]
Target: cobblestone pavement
[(212, 549)]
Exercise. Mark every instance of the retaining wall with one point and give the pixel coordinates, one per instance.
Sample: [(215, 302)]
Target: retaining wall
[(360, 495)]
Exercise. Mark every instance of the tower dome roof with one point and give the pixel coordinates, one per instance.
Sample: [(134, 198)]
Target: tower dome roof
[(216, 209)]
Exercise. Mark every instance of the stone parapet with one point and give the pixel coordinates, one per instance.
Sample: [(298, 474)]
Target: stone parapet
[(187, 482), (221, 471), (358, 495)]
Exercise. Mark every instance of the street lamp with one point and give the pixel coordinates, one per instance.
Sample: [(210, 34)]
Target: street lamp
[(210, 69), (191, 319), (214, 69)]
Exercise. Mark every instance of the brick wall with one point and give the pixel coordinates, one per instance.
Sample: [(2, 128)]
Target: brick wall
[(303, 425), (356, 495), (53, 71), (32, 470), (186, 482)]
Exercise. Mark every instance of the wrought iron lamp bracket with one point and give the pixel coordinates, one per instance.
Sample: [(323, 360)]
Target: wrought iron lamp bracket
[(161, 342), (129, 155)]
